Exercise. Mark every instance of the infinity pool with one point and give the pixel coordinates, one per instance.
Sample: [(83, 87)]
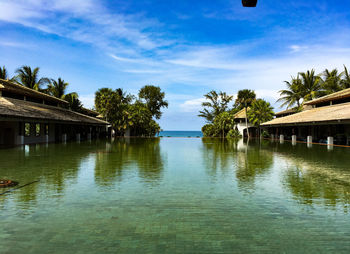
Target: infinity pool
[(176, 196)]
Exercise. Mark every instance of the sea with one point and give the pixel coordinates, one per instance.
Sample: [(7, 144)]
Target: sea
[(181, 134)]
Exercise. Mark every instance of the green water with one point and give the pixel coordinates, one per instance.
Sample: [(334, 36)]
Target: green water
[(176, 196)]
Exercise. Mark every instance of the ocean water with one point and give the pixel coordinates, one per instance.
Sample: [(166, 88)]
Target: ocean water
[(181, 134)]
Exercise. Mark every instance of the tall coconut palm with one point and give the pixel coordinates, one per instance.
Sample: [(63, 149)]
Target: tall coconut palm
[(331, 81), (345, 82), (28, 77), (57, 88), (216, 104), (260, 112), (245, 98), (311, 88), (293, 94)]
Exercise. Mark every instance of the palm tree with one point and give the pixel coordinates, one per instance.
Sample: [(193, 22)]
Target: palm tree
[(216, 104), (345, 82), (3, 73), (74, 102), (331, 81), (29, 78), (57, 88), (293, 93), (245, 98), (311, 88), (260, 112)]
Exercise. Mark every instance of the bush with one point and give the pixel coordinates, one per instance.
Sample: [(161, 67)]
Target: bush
[(233, 133)]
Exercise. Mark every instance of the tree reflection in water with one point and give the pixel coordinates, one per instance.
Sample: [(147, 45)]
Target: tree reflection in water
[(124, 155), (252, 162), (248, 160), (316, 176)]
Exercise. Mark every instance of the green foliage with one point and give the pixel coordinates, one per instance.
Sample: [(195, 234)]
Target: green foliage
[(223, 123), (233, 133), (209, 130), (153, 97), (293, 94), (260, 112), (3, 73), (311, 85), (28, 77), (245, 98), (57, 88), (118, 109), (331, 81), (74, 102), (216, 104), (345, 82)]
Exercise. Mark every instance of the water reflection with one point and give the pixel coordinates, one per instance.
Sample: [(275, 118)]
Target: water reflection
[(311, 175), (254, 162), (317, 176), (123, 155), (248, 160), (55, 166)]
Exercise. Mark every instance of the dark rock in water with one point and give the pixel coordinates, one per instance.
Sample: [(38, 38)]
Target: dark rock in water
[(7, 183)]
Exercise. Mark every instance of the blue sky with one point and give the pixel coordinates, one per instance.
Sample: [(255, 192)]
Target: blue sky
[(186, 47)]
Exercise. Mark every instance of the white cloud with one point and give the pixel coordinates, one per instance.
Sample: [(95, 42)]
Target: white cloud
[(193, 105)]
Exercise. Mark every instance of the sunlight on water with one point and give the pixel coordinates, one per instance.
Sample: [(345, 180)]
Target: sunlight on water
[(175, 196)]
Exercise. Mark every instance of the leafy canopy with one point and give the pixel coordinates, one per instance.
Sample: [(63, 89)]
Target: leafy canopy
[(216, 103), (154, 99)]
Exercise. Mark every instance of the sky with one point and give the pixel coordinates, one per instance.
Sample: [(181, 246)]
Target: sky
[(186, 47)]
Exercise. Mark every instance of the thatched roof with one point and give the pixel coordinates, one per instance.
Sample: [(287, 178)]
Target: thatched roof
[(240, 114), (338, 112), (29, 110), (331, 97), (287, 111), (9, 86), (90, 112)]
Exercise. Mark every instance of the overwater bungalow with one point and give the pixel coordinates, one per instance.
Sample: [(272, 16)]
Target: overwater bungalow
[(323, 120), (28, 116)]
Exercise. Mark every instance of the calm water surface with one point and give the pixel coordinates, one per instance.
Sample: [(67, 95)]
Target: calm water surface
[(176, 196)]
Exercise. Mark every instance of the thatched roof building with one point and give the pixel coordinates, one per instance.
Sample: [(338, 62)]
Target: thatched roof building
[(326, 114), (13, 108), (338, 97), (28, 116)]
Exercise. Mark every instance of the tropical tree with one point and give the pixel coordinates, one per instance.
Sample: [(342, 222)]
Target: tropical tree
[(345, 82), (224, 122), (260, 112), (331, 81), (74, 102), (28, 77), (216, 104), (57, 88), (154, 99), (293, 94), (3, 73), (103, 100), (311, 87), (245, 98)]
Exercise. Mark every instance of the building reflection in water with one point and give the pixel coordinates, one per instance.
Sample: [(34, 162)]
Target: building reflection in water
[(317, 176), (313, 176)]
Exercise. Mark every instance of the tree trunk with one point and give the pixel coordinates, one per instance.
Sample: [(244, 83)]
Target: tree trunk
[(246, 122)]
